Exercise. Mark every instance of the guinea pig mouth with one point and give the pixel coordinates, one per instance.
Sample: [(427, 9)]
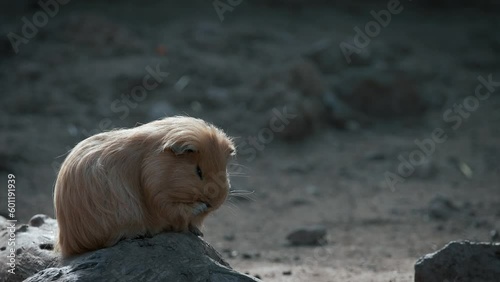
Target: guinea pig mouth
[(200, 208)]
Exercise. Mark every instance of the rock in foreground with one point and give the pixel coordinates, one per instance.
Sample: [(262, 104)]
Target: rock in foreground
[(460, 261), (165, 257)]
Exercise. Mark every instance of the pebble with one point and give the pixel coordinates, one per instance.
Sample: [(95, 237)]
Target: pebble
[(250, 255), (308, 235), (38, 220), (229, 237), (375, 156), (441, 208), (494, 235)]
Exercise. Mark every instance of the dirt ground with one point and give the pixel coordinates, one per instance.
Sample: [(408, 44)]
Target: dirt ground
[(328, 166)]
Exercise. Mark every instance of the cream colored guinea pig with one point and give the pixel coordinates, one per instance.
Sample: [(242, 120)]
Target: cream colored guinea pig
[(166, 175)]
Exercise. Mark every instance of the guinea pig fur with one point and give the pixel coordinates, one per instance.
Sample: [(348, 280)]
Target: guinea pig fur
[(166, 175)]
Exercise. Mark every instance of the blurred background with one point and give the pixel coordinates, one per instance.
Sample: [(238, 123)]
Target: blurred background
[(375, 122)]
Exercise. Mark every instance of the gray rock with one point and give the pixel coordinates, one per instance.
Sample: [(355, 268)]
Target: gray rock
[(308, 235), (460, 261), (165, 257), (32, 249), (38, 220)]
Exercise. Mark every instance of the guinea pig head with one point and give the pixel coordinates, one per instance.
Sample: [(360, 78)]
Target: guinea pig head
[(190, 168)]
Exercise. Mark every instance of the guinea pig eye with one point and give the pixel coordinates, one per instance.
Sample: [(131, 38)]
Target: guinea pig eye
[(198, 171)]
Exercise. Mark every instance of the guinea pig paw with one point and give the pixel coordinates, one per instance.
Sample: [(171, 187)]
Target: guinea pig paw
[(200, 208), (195, 230)]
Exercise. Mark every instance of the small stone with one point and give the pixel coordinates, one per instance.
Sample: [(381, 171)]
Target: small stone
[(38, 220), (182, 83), (375, 156), (229, 237), (22, 228), (308, 235), (494, 235), (288, 272), (441, 208), (250, 255), (246, 256), (276, 259), (299, 202)]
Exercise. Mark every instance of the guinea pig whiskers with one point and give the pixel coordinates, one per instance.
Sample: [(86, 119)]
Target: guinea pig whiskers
[(244, 194), (238, 165), (240, 192), (231, 206), (238, 175)]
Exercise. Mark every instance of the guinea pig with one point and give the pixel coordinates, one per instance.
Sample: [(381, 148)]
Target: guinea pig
[(166, 175)]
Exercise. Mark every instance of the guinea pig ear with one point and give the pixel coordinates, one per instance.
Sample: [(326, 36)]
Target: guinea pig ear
[(180, 149)]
